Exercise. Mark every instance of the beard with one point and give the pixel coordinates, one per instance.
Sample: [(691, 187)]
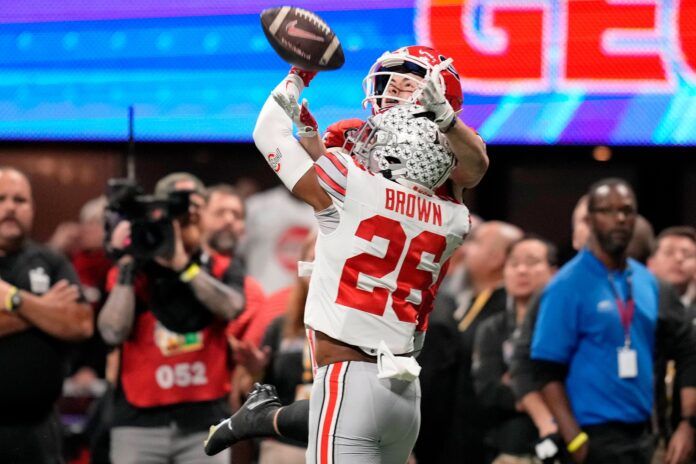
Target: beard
[(614, 242), (12, 230), (223, 242)]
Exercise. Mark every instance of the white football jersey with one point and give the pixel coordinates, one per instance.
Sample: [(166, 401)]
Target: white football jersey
[(375, 275)]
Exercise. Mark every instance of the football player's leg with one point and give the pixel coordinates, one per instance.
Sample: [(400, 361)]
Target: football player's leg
[(325, 410), (357, 418), (379, 418), (292, 421), (260, 416), (254, 419), (398, 442)]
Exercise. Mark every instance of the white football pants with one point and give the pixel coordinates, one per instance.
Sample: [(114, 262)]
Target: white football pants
[(356, 418)]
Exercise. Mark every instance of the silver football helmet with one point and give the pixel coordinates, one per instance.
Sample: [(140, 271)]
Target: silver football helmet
[(402, 144)]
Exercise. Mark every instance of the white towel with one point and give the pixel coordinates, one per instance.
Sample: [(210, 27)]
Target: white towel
[(396, 367)]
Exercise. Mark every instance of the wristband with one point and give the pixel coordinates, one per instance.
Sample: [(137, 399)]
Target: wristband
[(190, 273), (450, 125), (577, 442), (126, 273), (10, 305)]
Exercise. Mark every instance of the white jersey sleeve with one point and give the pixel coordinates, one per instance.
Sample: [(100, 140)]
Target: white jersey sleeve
[(332, 172)]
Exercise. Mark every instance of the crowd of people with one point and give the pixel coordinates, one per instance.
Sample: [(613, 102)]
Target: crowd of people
[(298, 342)]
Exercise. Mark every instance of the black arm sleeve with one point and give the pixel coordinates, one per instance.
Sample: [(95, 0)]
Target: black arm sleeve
[(272, 338), (234, 275), (488, 366), (547, 371), (675, 338), (173, 302), (522, 380)]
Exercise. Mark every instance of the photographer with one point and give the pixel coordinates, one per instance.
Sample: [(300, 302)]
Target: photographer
[(169, 315)]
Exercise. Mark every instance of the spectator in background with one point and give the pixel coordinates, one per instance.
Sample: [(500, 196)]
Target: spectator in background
[(277, 225), (511, 435), (88, 363), (446, 355), (169, 315), (92, 266), (41, 312), (284, 361), (246, 187), (595, 340), (223, 221), (581, 228), (522, 377), (689, 298), (642, 241), (522, 380), (673, 261), (456, 283)]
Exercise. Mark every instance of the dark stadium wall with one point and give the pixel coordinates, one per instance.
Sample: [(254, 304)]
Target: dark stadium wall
[(534, 187)]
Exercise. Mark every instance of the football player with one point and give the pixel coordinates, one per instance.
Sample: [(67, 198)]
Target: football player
[(384, 243), (397, 77)]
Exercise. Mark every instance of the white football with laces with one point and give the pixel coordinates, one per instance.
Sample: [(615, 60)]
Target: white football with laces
[(302, 38)]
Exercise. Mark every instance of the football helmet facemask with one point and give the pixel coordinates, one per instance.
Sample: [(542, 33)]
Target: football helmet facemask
[(412, 64)]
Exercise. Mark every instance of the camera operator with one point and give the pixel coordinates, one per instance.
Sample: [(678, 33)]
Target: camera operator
[(169, 315), (40, 310)]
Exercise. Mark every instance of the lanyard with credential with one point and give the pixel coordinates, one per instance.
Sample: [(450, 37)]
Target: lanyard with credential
[(626, 309)]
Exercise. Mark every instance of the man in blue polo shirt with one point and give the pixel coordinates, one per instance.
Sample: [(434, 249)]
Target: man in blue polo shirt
[(595, 341)]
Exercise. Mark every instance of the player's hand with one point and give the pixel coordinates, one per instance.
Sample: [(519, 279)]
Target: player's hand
[(432, 98), (301, 116)]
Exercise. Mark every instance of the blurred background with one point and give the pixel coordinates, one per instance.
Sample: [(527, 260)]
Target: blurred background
[(564, 92)]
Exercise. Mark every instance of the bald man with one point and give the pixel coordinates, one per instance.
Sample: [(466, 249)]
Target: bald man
[(449, 401), (40, 313)]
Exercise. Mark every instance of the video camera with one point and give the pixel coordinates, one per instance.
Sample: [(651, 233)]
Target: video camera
[(150, 216)]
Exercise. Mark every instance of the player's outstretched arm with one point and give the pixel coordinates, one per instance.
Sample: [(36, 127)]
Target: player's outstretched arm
[(284, 154), (470, 151), (468, 147)]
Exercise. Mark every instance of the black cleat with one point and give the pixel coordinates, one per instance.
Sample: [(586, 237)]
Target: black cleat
[(254, 419)]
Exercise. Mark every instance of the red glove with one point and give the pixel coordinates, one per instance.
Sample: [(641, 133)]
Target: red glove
[(337, 133)]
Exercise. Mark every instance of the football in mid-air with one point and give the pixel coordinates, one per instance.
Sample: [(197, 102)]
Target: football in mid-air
[(302, 38)]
